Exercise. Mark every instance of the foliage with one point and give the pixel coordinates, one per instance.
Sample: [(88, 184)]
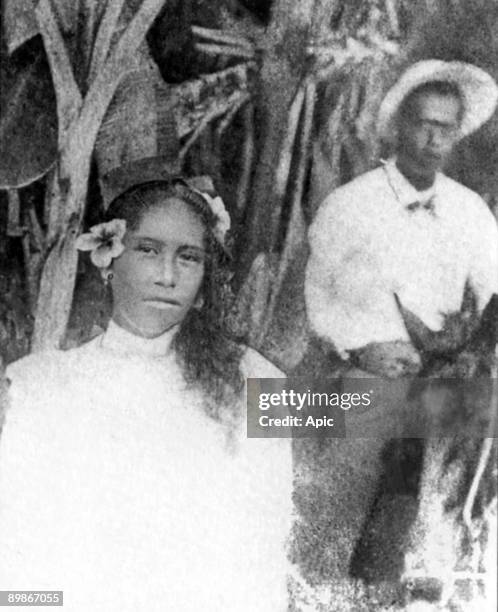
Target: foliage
[(462, 30)]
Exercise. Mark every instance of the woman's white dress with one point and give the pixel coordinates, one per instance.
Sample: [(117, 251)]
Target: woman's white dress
[(117, 488)]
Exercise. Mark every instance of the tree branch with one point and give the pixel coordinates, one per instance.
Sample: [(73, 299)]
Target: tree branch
[(66, 90), (105, 33), (103, 87)]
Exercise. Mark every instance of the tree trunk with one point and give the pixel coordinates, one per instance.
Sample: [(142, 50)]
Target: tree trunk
[(59, 272), (283, 69)]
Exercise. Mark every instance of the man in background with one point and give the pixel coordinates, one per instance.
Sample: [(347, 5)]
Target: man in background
[(405, 228)]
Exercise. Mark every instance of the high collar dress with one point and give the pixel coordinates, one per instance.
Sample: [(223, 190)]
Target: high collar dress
[(117, 488)]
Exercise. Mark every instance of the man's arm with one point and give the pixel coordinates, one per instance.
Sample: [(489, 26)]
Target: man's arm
[(322, 265), (349, 298), (483, 276)]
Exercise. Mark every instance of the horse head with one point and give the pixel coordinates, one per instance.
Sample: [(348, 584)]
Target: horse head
[(463, 332)]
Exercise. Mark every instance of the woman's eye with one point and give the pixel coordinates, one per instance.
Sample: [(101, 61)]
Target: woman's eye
[(147, 249), (191, 257)]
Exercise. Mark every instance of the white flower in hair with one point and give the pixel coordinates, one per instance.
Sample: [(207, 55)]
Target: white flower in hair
[(104, 241), (222, 217)]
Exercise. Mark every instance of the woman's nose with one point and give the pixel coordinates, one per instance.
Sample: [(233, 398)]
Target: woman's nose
[(168, 271)]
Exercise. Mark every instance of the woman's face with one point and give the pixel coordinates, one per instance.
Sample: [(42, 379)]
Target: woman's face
[(157, 279)]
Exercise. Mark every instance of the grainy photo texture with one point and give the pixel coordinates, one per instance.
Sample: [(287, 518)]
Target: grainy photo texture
[(194, 193)]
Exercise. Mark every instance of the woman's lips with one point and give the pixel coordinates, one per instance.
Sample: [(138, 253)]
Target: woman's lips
[(161, 302)]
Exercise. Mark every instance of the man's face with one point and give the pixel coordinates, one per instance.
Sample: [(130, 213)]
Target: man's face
[(428, 132)]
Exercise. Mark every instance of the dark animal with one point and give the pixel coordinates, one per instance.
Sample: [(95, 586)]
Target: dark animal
[(451, 554)]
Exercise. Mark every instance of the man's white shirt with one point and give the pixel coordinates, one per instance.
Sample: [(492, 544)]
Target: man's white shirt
[(366, 244)]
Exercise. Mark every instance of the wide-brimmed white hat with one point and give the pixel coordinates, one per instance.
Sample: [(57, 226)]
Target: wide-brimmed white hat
[(478, 89)]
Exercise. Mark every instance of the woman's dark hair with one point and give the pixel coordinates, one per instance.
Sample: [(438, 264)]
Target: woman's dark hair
[(205, 347)]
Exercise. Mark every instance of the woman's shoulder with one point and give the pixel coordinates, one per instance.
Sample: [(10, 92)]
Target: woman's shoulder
[(33, 363), (43, 386), (47, 365), (254, 365)]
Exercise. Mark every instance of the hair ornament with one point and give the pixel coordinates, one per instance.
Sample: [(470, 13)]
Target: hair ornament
[(221, 215), (104, 241), (203, 186)]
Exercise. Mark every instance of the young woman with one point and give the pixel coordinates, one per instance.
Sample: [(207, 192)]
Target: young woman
[(126, 476)]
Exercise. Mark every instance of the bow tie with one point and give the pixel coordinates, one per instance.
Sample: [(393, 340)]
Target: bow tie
[(428, 205)]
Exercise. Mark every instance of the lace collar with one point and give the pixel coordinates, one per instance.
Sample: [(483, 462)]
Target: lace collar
[(118, 340)]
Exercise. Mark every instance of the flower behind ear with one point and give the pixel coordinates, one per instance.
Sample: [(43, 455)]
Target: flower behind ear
[(104, 241), (222, 217)]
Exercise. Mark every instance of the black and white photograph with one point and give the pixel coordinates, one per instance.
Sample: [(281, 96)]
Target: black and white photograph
[(249, 305)]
